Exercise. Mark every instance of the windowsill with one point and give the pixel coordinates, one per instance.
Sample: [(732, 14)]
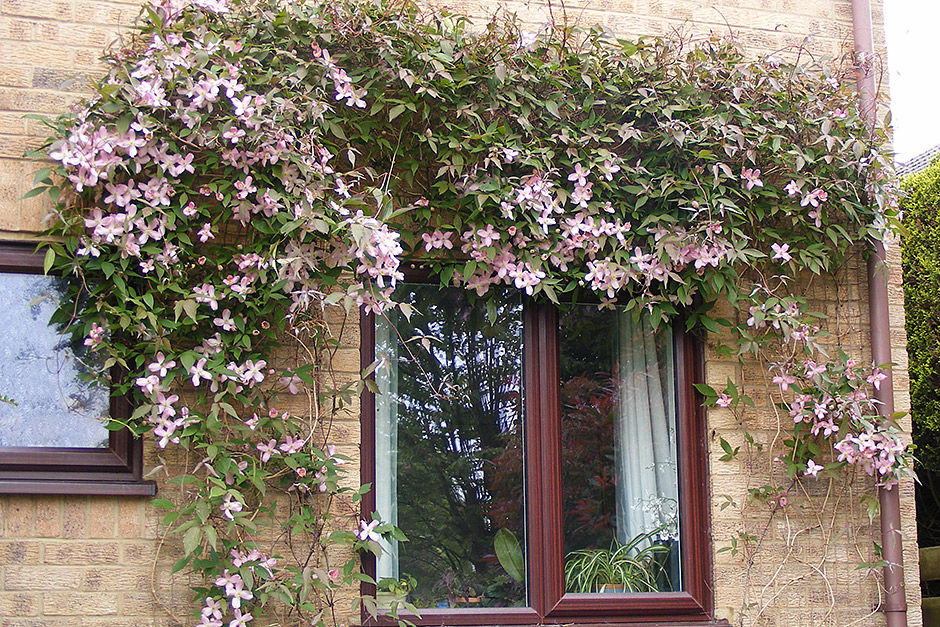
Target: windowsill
[(704, 622), (78, 488)]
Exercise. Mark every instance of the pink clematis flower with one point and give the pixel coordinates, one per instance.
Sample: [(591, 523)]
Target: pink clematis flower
[(230, 507), (751, 178), (267, 450), (812, 469), (367, 531), (781, 252), (436, 240), (814, 198)]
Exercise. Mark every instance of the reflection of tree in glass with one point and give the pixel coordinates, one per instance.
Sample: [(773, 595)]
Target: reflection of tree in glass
[(593, 386), (459, 411), (71, 357), (587, 345)]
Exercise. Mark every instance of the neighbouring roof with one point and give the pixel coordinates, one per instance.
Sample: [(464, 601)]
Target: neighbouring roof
[(918, 163)]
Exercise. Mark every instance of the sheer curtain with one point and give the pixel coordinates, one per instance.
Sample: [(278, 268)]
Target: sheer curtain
[(645, 432), (386, 440)]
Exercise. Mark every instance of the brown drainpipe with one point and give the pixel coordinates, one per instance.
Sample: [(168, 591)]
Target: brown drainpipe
[(895, 606)]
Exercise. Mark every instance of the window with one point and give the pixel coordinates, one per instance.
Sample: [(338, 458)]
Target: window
[(546, 467), (53, 440)]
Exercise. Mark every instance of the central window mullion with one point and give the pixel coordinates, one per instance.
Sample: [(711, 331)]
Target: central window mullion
[(543, 460)]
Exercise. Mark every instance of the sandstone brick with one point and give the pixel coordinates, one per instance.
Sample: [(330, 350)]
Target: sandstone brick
[(16, 28), (19, 513), (59, 80), (87, 58), (19, 552), (138, 621), (50, 32), (34, 101), (141, 604), (48, 516), (27, 53), (79, 603), (34, 212), (41, 578), (19, 604), (102, 12), (346, 360), (73, 516), (80, 553), (144, 553), (47, 9), (101, 517), (12, 124), (40, 622), (116, 579), (130, 518), (15, 76)]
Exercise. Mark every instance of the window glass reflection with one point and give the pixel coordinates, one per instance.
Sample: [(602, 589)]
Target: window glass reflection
[(449, 448), (620, 477)]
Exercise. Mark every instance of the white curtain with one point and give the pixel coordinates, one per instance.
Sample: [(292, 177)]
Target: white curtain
[(386, 440), (645, 432)]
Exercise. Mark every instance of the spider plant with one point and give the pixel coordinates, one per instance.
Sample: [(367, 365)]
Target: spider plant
[(636, 569)]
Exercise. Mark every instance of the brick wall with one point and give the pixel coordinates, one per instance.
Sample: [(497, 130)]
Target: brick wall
[(82, 561), (807, 569)]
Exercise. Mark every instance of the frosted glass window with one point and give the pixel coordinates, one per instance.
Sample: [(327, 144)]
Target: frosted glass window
[(54, 407)]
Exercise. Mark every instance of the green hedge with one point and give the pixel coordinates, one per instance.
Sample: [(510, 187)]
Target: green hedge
[(921, 263)]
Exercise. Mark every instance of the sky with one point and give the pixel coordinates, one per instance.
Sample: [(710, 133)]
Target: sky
[(912, 29)]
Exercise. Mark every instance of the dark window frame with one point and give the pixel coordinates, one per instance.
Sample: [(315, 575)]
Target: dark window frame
[(116, 470), (548, 603)]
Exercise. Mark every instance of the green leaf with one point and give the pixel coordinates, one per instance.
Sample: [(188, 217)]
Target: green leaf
[(191, 539), (181, 563), (189, 306), (509, 554), (552, 108), (706, 390), (124, 122), (395, 111), (42, 176), (211, 535), (48, 261), (725, 446), (34, 192), (709, 324)]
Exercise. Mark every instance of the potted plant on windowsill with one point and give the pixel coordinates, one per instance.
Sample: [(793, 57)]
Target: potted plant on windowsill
[(621, 568), (391, 593)]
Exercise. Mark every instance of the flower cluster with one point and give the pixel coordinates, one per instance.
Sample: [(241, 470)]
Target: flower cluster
[(833, 401)]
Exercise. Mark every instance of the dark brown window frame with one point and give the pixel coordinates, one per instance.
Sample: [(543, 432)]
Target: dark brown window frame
[(548, 603), (116, 470)]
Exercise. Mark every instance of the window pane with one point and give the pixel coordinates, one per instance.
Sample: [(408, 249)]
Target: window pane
[(620, 480), (449, 447), (39, 371)]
